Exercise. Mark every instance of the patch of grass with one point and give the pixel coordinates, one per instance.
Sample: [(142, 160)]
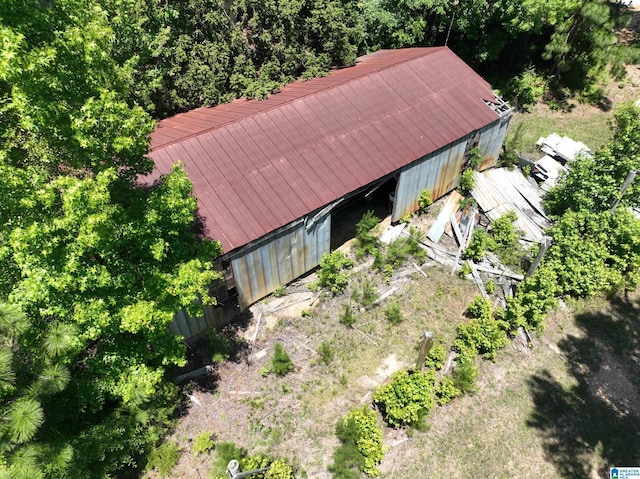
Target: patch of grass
[(280, 291), (393, 313), (326, 352), (593, 130)]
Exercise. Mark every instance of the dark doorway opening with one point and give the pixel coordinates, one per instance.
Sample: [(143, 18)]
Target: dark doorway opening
[(345, 217)]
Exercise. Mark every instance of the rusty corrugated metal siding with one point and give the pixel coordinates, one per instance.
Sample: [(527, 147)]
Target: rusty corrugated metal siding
[(279, 259), (439, 172), (257, 166)]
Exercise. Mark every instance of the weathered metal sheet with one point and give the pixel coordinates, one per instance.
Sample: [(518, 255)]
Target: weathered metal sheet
[(257, 166), (275, 261), (491, 141), (438, 173), (189, 327), (499, 191)]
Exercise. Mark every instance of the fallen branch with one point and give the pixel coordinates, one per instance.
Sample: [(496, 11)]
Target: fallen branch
[(420, 271)]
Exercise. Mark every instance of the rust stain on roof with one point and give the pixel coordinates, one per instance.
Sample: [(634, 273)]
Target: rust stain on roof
[(258, 165)]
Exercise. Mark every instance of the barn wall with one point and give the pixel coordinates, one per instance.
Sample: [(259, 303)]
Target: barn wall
[(279, 259), (188, 327), (491, 139), (439, 172)]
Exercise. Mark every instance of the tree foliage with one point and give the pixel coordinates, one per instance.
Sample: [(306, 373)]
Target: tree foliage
[(190, 53), (95, 265)]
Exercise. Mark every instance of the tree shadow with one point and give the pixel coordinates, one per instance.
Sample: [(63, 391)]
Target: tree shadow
[(599, 415)]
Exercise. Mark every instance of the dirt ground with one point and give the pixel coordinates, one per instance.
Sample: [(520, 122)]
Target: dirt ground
[(531, 417)]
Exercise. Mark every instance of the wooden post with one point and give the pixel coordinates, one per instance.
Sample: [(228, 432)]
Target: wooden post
[(544, 246), (627, 182), (427, 342)]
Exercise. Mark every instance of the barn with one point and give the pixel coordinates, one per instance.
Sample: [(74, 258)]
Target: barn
[(274, 177)]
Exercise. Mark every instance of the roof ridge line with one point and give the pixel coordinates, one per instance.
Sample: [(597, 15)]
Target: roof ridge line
[(385, 67)]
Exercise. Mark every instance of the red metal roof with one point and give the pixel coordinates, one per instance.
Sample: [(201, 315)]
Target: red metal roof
[(258, 165)]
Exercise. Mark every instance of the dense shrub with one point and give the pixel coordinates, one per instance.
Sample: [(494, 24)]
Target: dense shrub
[(281, 363), (484, 334), (479, 245), (502, 240), (406, 399), (332, 275), (436, 357), (526, 89), (424, 201), (226, 451), (446, 390), (203, 443), (399, 251), (533, 300), (467, 181), (361, 445)]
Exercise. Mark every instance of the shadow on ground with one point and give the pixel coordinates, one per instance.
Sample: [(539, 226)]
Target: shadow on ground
[(595, 423)]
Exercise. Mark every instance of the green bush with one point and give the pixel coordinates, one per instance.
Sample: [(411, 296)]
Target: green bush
[(393, 313), (436, 357), (407, 399), (326, 352), (332, 275), (347, 317), (203, 443), (446, 390), (480, 243), (281, 363), (424, 201), (366, 294), (474, 158), (280, 291), (226, 451), (533, 300), (399, 251), (163, 458), (484, 334), (361, 445), (490, 286), (467, 181), (366, 242), (465, 270), (219, 346), (526, 89), (464, 377), (503, 230)]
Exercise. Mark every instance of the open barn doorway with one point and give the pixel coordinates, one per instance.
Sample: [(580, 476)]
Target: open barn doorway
[(345, 217)]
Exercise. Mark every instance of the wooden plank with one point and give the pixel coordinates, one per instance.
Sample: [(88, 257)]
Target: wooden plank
[(451, 206), (478, 280), (456, 229)]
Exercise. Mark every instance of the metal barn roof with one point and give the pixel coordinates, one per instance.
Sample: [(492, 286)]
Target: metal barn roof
[(258, 165)]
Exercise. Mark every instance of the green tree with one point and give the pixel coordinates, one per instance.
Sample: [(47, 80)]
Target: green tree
[(593, 183), (62, 95), (583, 45)]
